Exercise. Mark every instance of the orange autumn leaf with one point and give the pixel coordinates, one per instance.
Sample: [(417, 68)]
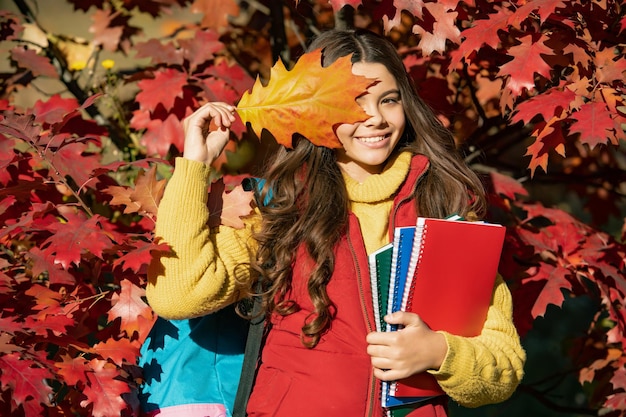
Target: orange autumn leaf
[(310, 100)]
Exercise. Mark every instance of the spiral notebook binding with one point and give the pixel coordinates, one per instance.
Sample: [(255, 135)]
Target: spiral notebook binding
[(419, 240)]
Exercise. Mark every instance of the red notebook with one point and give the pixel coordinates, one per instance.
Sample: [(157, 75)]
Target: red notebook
[(454, 264)]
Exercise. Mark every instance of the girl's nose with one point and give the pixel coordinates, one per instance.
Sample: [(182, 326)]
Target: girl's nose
[(376, 117)]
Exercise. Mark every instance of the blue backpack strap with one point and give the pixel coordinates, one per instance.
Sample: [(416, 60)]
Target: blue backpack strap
[(257, 324)]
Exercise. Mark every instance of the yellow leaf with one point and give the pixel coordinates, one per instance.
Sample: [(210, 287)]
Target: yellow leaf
[(310, 99)]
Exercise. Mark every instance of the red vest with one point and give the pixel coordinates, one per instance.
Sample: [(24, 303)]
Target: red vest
[(335, 378)]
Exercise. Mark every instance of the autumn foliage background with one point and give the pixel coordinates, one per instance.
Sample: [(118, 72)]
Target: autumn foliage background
[(90, 125)]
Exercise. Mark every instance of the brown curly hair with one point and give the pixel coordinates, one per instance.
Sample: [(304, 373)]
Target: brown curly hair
[(309, 203)]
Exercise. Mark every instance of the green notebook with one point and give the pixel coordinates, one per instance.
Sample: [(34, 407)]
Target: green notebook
[(380, 274)]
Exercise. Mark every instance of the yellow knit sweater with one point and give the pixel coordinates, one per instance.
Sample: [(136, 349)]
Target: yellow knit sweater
[(199, 277)]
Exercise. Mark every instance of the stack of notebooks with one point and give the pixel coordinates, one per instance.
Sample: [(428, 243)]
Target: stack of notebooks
[(444, 270)]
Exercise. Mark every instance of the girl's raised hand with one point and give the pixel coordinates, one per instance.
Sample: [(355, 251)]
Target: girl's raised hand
[(412, 349), (207, 131)]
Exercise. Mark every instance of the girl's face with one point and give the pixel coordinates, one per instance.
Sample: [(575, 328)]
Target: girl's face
[(367, 145)]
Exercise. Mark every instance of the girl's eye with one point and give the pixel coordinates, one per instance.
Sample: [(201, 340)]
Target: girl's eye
[(390, 100)]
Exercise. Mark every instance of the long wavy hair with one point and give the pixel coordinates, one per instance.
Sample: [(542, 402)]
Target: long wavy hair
[(309, 202)]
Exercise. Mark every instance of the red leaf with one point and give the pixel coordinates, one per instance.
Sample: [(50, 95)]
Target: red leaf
[(159, 53), (201, 48), (163, 89), (73, 370), (140, 256), (104, 390), (144, 197), (507, 186), (608, 69), (129, 306), (161, 135), (339, 4), (548, 137), (551, 103), (443, 29), (74, 237), (108, 37), (228, 207), (554, 279), (216, 12), (123, 351), (484, 32), (42, 263), (26, 380), (53, 110), (38, 65), (593, 122), (525, 64), (64, 162), (233, 74), (414, 7)]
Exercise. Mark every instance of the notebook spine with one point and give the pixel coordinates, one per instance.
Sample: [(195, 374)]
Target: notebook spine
[(419, 244)]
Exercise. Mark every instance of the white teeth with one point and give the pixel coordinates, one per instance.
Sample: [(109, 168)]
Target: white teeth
[(372, 139)]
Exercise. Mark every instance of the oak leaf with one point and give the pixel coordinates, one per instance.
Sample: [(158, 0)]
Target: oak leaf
[(310, 100), (129, 306), (443, 29), (104, 389), (166, 85), (26, 380), (227, 207), (526, 62), (74, 237), (144, 197), (593, 121)]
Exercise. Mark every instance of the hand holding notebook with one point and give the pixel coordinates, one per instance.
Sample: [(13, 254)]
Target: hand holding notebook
[(448, 281)]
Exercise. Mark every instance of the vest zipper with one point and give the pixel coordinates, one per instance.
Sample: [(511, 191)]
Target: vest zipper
[(368, 323)]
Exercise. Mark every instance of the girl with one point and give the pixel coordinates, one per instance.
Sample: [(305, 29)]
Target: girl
[(329, 209)]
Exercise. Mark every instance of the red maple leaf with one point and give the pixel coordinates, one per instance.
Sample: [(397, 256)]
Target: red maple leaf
[(104, 390), (38, 65), (26, 379), (105, 33), (119, 351), (594, 124), (525, 64), (163, 89), (129, 306), (74, 237)]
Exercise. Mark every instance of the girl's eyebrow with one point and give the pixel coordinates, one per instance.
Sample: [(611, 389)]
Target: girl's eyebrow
[(383, 94)]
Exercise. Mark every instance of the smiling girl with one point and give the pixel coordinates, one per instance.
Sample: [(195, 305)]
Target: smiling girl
[(328, 209)]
